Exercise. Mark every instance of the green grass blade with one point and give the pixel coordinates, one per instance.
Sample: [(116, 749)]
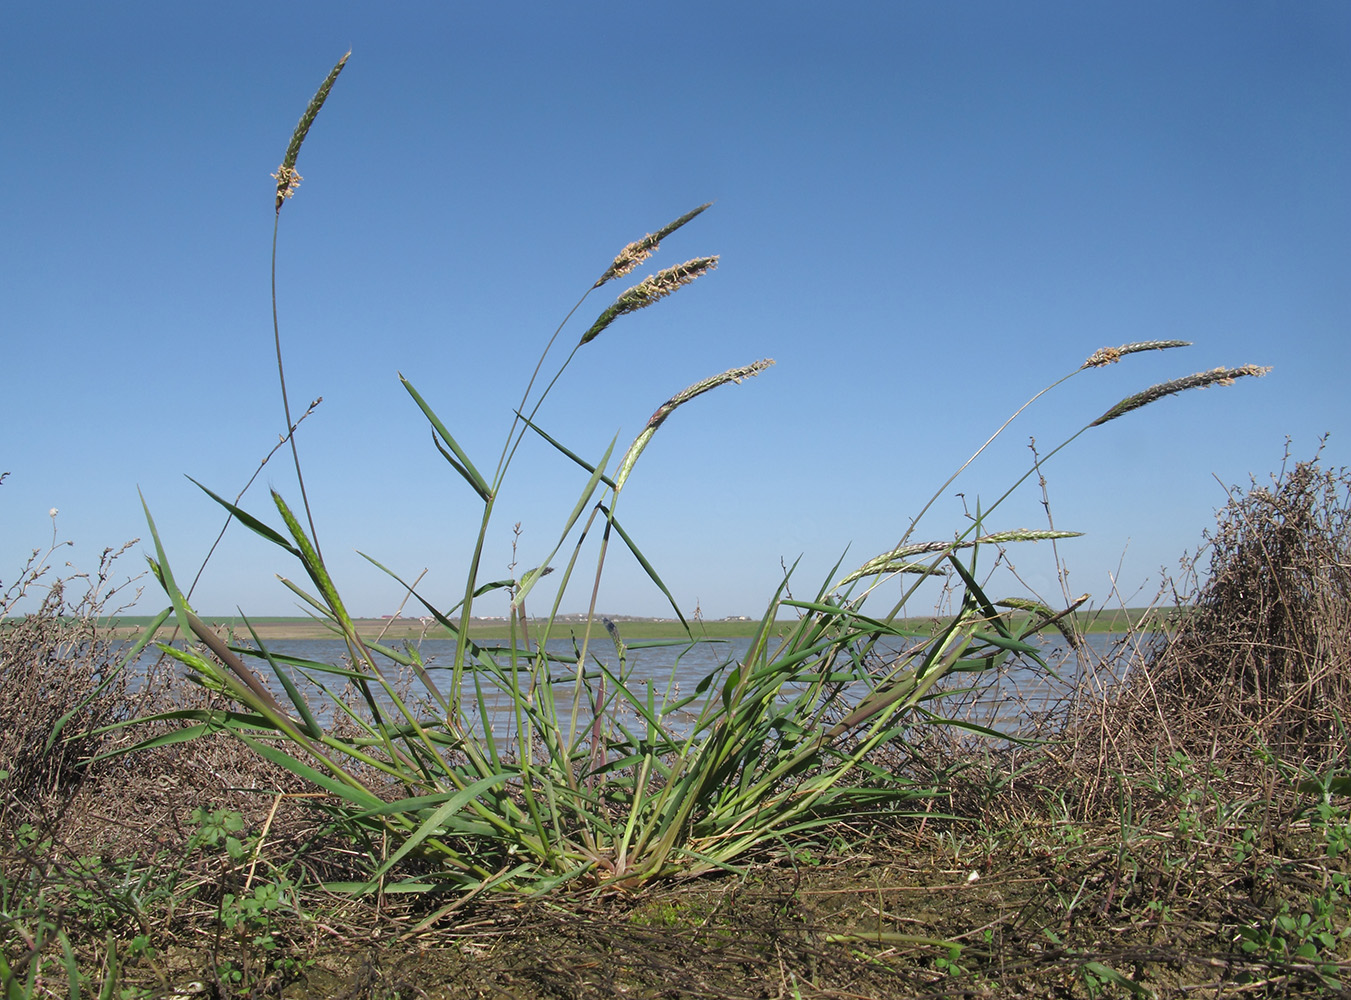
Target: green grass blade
[(565, 451), (442, 617), (183, 735), (461, 463), (1109, 975), (311, 727), (974, 590), (1006, 643), (160, 566), (350, 790), (454, 804), (248, 520), (530, 578), (647, 567), (109, 988), (71, 966), (972, 727), (320, 612)]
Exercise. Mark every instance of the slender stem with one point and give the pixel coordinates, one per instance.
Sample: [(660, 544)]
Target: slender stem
[(1036, 467), (285, 400), (591, 618), (466, 609), (509, 448), (910, 591), (240, 496), (510, 451), (1002, 427)]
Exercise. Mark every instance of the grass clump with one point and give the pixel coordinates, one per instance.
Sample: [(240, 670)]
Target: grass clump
[(595, 782)]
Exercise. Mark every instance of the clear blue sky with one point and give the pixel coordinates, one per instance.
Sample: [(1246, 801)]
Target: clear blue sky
[(925, 213)]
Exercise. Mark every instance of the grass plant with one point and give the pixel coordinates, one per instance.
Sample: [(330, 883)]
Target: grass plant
[(595, 782)]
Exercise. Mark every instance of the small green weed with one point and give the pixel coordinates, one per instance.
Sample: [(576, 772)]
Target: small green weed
[(49, 906), (220, 828), (670, 913), (1311, 934), (254, 915), (1099, 979), (950, 962)]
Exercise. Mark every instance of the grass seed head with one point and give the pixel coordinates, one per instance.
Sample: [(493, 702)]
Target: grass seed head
[(898, 559), (651, 289), (1104, 356), (1216, 376), (629, 258), (635, 253), (671, 405), (287, 178), (699, 388)]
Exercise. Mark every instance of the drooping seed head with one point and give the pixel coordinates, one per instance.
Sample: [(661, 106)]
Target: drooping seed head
[(699, 388), (651, 289), (1216, 376), (635, 253), (898, 559), (679, 399), (1111, 355)]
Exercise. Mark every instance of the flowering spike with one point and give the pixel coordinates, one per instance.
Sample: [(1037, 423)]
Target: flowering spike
[(1216, 376), (679, 399), (649, 290), (1111, 355), (635, 253), (287, 178)]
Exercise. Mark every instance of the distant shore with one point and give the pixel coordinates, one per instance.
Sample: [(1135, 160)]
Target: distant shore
[(630, 628)]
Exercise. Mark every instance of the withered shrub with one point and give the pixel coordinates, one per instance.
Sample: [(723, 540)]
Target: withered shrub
[(53, 660), (1258, 659)]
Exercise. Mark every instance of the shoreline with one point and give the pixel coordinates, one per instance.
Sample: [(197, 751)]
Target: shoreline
[(631, 628)]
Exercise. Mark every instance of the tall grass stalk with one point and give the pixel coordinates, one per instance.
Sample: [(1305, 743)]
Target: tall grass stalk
[(288, 180), (599, 779)]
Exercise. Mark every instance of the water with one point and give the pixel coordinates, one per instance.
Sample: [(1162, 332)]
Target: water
[(1019, 697)]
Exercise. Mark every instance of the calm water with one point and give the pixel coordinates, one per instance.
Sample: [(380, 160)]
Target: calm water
[(1015, 698)]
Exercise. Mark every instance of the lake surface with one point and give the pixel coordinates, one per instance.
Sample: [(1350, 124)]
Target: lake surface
[(1018, 697)]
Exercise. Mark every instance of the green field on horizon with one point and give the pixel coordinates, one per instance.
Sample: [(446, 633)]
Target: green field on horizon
[(630, 629)]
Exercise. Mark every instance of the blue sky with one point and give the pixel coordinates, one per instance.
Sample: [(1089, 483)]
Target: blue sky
[(925, 213)]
